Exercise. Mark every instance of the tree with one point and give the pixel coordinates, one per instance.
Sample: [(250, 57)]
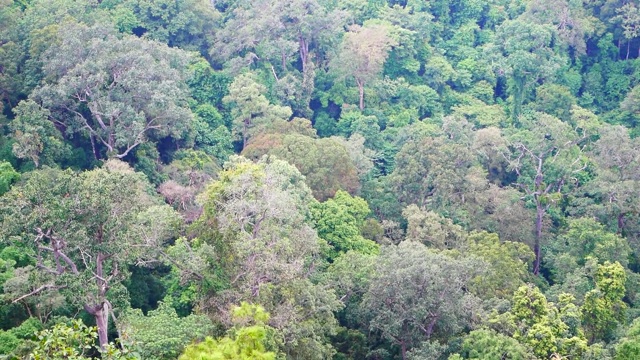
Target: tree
[(249, 338), (545, 327), (339, 222), (508, 264), (603, 307), (528, 57), (73, 342), (629, 17), (257, 218), (36, 137), (416, 294), (83, 230), (7, 176), (252, 113), (629, 346), (119, 92), (161, 334), (325, 163), (487, 344), (362, 54), (546, 155), (586, 239)]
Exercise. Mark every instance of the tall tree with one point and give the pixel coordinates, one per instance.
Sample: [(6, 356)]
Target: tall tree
[(362, 54), (257, 216), (546, 155), (119, 92), (84, 230), (416, 294)]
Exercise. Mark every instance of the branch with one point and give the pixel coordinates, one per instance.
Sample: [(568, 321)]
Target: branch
[(38, 290)]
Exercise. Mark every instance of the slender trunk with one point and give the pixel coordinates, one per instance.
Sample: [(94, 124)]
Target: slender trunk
[(361, 89), (536, 247), (245, 126), (620, 223), (628, 48), (403, 347), (304, 53)]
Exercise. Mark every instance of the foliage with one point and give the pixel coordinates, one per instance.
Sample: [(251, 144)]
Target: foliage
[(161, 334)]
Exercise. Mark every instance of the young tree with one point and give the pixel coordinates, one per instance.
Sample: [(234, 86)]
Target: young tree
[(83, 230)]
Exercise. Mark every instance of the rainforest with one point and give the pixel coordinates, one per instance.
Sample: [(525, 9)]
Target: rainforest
[(319, 179)]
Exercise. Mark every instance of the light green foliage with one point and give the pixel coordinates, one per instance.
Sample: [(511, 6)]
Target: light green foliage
[(15, 340), (73, 342), (339, 221), (252, 113), (416, 294), (508, 264), (629, 346), (555, 100), (7, 176), (432, 229), (247, 340), (431, 172), (584, 239), (487, 344), (161, 334), (36, 138), (119, 92), (603, 308), (546, 328)]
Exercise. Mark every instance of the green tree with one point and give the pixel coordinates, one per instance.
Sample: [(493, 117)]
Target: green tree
[(545, 327), (257, 218), (603, 308), (339, 221), (487, 344), (119, 92), (252, 113), (416, 294), (36, 137), (362, 54), (86, 230), (528, 57), (249, 339), (628, 347), (73, 342), (161, 334), (545, 154), (7, 176)]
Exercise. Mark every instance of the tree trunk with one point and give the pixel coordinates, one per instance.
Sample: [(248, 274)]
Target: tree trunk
[(102, 322), (361, 89), (628, 49), (536, 247)]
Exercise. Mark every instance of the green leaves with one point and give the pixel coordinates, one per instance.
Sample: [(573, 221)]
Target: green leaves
[(119, 92), (162, 334)]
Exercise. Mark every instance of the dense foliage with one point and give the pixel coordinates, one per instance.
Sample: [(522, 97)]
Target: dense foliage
[(317, 179)]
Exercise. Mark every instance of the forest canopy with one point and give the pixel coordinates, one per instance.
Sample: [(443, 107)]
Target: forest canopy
[(320, 179)]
